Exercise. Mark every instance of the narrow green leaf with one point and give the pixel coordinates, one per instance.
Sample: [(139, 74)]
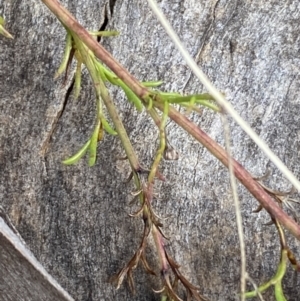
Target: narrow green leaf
[(66, 56), (193, 107), (133, 98), (187, 98), (75, 158), (260, 289), (279, 292), (100, 69), (77, 83), (275, 280), (200, 99), (208, 104), (150, 103), (152, 84), (106, 33), (281, 270), (93, 145), (3, 31), (167, 95), (111, 77), (190, 105), (107, 126)]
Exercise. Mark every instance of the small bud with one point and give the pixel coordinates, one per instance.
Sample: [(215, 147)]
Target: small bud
[(170, 153)]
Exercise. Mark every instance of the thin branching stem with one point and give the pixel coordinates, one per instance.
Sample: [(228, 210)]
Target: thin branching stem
[(159, 242), (155, 116), (162, 142), (102, 92), (70, 22), (240, 172), (220, 98), (238, 214), (134, 162)]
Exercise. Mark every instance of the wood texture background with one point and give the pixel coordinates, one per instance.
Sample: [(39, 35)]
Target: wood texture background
[(74, 219)]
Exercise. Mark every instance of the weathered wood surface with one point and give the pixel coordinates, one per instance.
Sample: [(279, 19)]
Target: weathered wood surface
[(74, 219), (22, 277)]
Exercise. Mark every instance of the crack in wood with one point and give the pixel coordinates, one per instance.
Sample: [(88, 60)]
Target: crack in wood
[(206, 33), (106, 17), (55, 120)]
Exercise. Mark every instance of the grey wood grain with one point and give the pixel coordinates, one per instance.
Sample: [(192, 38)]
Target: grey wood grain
[(74, 219), (22, 277)]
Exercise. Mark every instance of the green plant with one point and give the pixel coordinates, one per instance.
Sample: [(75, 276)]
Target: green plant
[(144, 179), (159, 106), (3, 31)]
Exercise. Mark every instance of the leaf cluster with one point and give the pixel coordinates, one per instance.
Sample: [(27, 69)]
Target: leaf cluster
[(101, 76), (159, 105)]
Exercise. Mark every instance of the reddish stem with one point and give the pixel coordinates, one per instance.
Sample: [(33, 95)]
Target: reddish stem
[(245, 178), (71, 23), (240, 172)]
